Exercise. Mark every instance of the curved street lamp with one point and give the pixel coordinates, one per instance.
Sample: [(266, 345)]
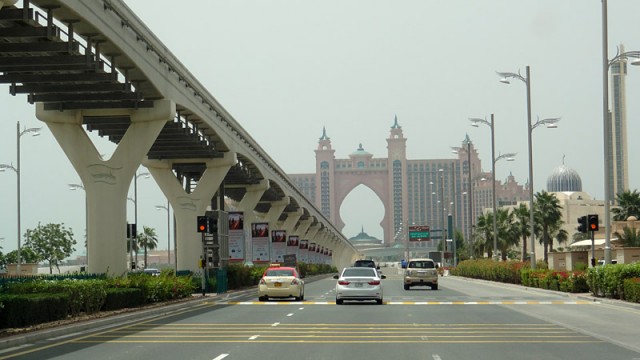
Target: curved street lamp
[(550, 123), (475, 122), (16, 169)]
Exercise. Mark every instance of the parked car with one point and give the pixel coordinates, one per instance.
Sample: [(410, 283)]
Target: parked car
[(359, 283), (152, 272), (421, 272), (281, 282)]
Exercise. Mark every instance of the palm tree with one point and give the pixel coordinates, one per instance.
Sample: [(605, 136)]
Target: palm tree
[(628, 205), (508, 234), (630, 237), (521, 213), (484, 234), (149, 240), (549, 218)]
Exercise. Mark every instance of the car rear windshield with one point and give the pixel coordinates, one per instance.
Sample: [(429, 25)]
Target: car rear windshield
[(279, 272), (422, 264), (359, 272), (367, 263)]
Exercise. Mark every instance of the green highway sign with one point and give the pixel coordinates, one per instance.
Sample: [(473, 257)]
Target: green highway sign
[(419, 233)]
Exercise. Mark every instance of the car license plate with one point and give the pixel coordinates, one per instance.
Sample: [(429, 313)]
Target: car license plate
[(277, 284), (358, 284)]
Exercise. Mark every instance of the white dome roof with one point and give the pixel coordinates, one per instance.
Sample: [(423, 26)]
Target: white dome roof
[(564, 178)]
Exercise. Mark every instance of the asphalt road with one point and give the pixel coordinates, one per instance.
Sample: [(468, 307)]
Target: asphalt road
[(464, 319)]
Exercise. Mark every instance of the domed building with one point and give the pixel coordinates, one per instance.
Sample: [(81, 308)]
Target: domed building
[(564, 179), (364, 240)]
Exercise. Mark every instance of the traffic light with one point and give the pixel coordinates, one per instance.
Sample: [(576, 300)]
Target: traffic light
[(582, 224), (203, 224), (593, 223)]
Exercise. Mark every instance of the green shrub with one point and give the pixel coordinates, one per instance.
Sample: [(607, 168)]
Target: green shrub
[(487, 269), (121, 298), (20, 310), (608, 280), (158, 288), (632, 289), (84, 295)]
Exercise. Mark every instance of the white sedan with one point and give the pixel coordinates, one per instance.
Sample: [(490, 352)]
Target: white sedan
[(281, 282), (359, 283)]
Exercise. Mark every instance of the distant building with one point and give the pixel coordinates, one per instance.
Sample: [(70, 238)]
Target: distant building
[(618, 154), (421, 192), (364, 240)]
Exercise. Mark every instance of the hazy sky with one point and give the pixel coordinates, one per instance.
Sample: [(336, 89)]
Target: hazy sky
[(285, 69)]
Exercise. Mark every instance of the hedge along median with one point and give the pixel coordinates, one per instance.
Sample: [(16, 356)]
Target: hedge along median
[(609, 280), (516, 272), (24, 303)]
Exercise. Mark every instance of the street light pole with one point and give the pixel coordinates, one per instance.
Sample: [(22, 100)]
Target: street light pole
[(509, 156), (469, 191), (16, 169), (162, 207), (135, 210), (74, 187), (505, 76)]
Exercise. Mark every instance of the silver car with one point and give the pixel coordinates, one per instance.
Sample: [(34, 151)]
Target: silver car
[(359, 283)]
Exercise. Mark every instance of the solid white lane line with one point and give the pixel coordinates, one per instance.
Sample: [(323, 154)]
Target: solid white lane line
[(220, 357)]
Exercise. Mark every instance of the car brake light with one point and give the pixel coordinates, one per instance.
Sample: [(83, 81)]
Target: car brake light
[(374, 282), (343, 282), (262, 282)]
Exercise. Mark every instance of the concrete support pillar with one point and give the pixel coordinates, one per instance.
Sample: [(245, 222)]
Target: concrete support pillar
[(187, 207), (276, 209), (106, 183), (302, 228), (292, 220), (247, 204), (312, 231)]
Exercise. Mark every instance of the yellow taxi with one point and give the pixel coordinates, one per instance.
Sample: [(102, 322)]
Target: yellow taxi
[(281, 282)]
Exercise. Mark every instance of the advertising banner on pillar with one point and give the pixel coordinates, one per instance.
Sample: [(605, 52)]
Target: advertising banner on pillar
[(303, 251), (312, 253), (260, 242), (278, 245), (293, 242), (236, 236)]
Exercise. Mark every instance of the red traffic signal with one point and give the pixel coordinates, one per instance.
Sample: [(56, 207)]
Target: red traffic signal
[(203, 224), (593, 223)]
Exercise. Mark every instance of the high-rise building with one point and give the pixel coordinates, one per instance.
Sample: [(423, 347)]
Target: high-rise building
[(618, 161), (413, 192)]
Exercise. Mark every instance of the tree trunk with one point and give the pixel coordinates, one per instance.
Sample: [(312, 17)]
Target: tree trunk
[(524, 248)]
